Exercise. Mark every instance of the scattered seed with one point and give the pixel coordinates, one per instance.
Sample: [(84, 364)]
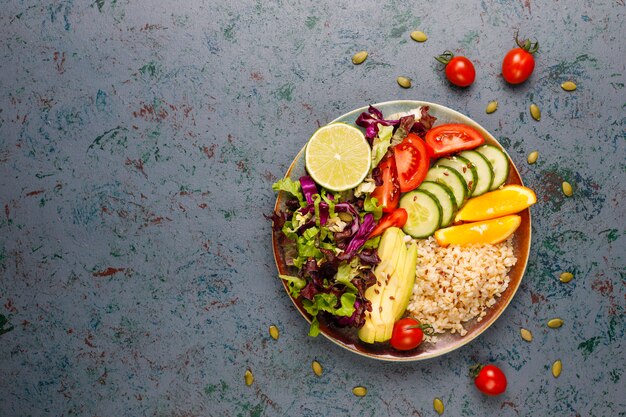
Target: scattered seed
[(249, 378), (419, 36), (557, 366), (438, 405), (274, 332), (555, 323), (317, 368), (526, 334), (359, 57), (566, 277), (568, 86), (567, 188), (532, 157), (491, 107), (535, 112), (404, 82), (359, 391)]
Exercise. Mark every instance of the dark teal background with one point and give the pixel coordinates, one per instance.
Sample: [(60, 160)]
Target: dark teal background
[(138, 145)]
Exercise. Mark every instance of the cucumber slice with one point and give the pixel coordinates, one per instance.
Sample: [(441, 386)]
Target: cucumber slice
[(451, 178), (484, 171), (444, 196), (424, 213), (463, 167), (499, 162)]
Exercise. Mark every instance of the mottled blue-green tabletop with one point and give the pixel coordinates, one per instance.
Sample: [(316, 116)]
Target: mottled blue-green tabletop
[(138, 145)]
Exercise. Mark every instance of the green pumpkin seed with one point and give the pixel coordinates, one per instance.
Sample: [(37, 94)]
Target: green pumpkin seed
[(274, 332), (345, 216), (526, 334), (359, 57), (568, 86), (557, 366), (404, 82), (491, 107), (317, 368), (566, 277), (567, 188), (359, 391), (438, 405), (418, 36), (535, 112), (532, 157), (248, 377), (555, 323)]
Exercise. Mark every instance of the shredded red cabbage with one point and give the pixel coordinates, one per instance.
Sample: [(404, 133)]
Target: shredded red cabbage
[(370, 121)]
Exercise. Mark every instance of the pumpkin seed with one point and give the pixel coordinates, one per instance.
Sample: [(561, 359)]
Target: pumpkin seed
[(557, 366), (438, 405), (566, 277), (526, 334), (359, 57), (532, 157), (345, 216), (491, 107), (568, 86), (555, 323), (274, 332), (404, 82), (418, 36), (359, 391), (567, 188), (317, 368), (248, 377), (535, 112)]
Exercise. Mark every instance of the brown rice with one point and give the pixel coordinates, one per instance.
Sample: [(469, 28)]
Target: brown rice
[(456, 284)]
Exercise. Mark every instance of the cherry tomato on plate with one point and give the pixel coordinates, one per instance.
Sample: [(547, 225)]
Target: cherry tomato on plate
[(396, 218), (489, 379), (408, 333), (388, 194), (412, 162), (518, 64), (451, 138), (459, 70)]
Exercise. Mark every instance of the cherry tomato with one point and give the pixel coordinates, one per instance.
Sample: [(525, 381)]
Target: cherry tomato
[(388, 194), (407, 333), (452, 138), (412, 162), (396, 218), (489, 379), (519, 63), (459, 70)]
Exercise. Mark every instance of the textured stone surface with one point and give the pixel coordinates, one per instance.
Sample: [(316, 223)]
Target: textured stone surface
[(138, 145)]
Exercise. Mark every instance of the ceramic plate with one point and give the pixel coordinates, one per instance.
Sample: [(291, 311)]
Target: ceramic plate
[(446, 342)]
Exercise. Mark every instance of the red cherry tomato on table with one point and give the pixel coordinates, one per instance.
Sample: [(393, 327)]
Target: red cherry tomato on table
[(452, 138), (388, 194), (408, 333), (412, 162), (396, 218), (489, 379), (459, 70), (518, 64)]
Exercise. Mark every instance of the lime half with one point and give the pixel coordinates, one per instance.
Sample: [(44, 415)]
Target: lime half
[(338, 156)]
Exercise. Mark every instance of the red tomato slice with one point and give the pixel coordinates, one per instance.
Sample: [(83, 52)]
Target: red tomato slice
[(396, 218), (412, 162), (388, 194), (452, 138)]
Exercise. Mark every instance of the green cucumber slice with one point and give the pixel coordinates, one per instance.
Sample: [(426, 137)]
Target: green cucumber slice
[(484, 171), (463, 167), (444, 196), (499, 162), (452, 179), (424, 213)]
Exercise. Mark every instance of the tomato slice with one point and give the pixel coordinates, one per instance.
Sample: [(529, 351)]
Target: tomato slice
[(388, 194), (396, 218), (452, 138), (412, 162)]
